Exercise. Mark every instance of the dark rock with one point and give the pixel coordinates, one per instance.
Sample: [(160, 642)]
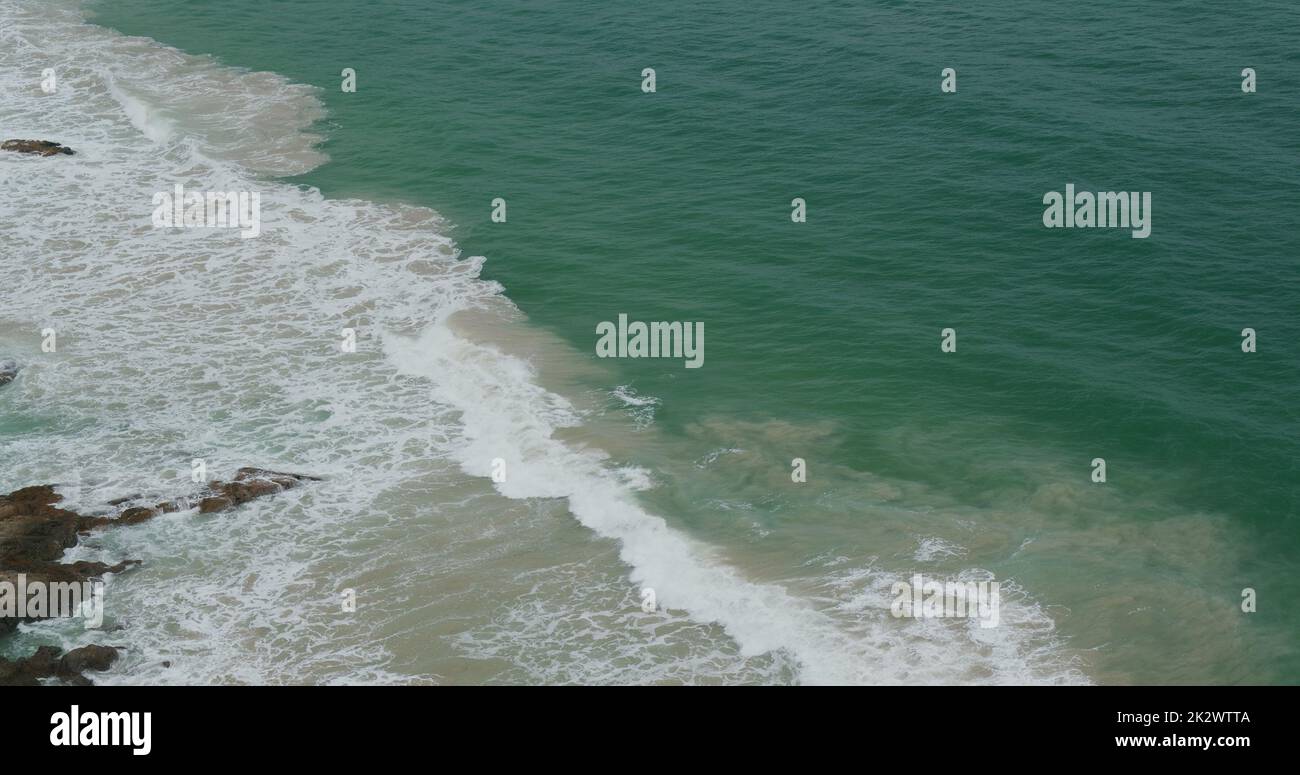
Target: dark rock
[(212, 505), (87, 658), (8, 370), (136, 515), (38, 147), (249, 483), (28, 672), (34, 533), (32, 529), (47, 663)]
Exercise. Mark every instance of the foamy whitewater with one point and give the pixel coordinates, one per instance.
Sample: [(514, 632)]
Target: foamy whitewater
[(194, 343)]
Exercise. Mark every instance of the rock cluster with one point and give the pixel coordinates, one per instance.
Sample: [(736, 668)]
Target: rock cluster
[(34, 533), (50, 662)]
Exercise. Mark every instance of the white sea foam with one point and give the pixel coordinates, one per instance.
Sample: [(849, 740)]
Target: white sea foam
[(507, 415), (182, 344), (640, 408), (930, 548), (174, 345)]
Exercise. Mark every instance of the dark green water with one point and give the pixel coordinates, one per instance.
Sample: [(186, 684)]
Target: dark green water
[(924, 212)]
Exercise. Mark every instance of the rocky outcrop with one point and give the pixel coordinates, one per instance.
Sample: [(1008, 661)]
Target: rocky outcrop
[(50, 662), (86, 658), (38, 147), (33, 536), (8, 370), (249, 483), (34, 533)]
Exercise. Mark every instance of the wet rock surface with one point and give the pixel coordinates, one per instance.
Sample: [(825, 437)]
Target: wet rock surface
[(37, 147), (50, 662), (35, 532)]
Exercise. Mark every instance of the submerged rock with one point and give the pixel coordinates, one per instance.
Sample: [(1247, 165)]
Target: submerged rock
[(249, 483), (8, 370), (38, 147)]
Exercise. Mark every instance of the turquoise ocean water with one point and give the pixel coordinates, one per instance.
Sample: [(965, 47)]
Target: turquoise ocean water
[(924, 212)]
